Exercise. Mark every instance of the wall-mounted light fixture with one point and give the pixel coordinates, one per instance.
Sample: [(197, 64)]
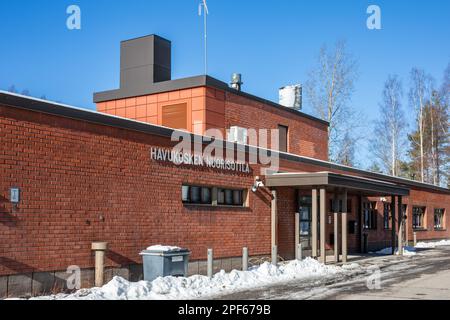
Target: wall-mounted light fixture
[(258, 184)]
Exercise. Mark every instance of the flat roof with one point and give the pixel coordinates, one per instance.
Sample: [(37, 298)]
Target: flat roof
[(188, 83), (67, 111), (333, 180)]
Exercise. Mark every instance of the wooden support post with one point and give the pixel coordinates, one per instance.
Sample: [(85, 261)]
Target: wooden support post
[(344, 228), (400, 226), (274, 224), (297, 234), (323, 225), (393, 208), (314, 224), (336, 228)]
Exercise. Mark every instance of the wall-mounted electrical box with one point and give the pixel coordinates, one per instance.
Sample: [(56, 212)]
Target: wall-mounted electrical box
[(15, 195)]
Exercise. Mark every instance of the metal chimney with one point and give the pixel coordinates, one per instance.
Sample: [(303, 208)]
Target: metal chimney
[(292, 96), (144, 61), (236, 81)]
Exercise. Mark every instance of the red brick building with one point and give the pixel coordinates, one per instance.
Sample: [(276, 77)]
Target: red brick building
[(70, 177)]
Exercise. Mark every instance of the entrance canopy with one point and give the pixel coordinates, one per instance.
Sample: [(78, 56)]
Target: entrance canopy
[(334, 181)]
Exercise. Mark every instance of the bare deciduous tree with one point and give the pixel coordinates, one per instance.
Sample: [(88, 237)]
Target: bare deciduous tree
[(329, 89), (389, 140), (420, 92)]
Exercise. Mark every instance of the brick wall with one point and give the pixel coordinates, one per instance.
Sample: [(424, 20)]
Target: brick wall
[(81, 182), (210, 108)]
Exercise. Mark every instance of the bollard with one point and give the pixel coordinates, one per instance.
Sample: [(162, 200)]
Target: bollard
[(99, 248), (274, 255), (415, 239), (210, 263), (300, 252), (245, 259)]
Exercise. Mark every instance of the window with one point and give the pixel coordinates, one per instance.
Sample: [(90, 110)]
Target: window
[(370, 215), (283, 143), (229, 197), (418, 217), (175, 116), (196, 195), (439, 218), (213, 196), (386, 215)]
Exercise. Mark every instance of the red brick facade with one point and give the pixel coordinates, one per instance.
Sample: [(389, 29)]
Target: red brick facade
[(210, 108), (82, 182)]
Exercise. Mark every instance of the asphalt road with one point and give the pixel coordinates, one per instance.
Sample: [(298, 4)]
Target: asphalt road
[(420, 277)]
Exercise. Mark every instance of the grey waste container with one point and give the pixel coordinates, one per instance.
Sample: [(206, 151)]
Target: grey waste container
[(165, 263)]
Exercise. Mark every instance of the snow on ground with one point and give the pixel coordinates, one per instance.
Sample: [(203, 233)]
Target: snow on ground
[(198, 287), (407, 251), (432, 245), (162, 248)]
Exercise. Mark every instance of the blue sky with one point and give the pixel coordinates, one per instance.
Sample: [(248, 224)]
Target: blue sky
[(272, 43)]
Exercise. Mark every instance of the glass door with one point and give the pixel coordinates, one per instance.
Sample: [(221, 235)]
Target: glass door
[(305, 210)]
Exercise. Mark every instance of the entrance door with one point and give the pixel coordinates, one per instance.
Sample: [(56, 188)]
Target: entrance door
[(305, 210)]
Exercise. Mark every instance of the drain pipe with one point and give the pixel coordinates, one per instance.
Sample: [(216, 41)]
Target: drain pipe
[(99, 248)]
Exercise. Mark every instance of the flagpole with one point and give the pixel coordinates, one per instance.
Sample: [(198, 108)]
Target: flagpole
[(206, 38)]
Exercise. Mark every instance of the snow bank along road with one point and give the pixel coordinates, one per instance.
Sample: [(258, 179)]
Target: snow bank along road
[(425, 275), (307, 279)]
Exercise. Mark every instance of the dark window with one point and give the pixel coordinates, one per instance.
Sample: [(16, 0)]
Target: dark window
[(370, 215), (418, 217), (175, 116), (351, 227), (439, 218), (229, 197), (283, 143), (197, 195), (213, 196), (386, 215)]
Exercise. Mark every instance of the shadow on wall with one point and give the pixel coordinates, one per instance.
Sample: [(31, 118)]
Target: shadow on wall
[(6, 217), (119, 259)]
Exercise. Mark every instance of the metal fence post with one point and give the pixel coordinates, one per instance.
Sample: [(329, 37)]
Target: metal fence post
[(299, 252), (415, 239), (245, 259), (274, 255), (210, 263)]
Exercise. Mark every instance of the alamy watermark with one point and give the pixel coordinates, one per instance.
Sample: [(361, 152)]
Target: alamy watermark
[(73, 281), (374, 20), (73, 22), (213, 150)]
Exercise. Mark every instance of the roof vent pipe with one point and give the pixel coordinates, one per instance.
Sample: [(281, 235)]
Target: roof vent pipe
[(292, 96), (236, 81)]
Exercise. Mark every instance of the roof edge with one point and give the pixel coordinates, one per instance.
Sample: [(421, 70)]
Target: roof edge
[(193, 82), (67, 111)]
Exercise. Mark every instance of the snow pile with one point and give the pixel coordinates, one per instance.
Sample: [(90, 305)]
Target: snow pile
[(432, 245), (163, 248), (407, 251), (197, 287)]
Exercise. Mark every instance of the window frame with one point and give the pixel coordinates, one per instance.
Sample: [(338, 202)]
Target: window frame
[(214, 193), (387, 213), (286, 128), (442, 214), (422, 218), (370, 208)]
